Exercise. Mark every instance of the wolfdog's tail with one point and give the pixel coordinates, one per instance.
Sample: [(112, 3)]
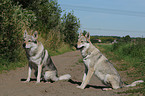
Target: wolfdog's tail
[(134, 83), (64, 77)]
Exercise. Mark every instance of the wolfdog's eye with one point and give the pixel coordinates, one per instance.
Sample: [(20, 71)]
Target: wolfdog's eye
[(29, 40), (88, 42), (35, 41), (82, 41)]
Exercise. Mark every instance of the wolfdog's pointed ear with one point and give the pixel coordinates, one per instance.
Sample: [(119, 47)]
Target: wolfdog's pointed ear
[(87, 35), (80, 34), (35, 34), (25, 33)]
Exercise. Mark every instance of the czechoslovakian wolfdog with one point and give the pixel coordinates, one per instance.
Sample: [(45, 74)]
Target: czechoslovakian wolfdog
[(39, 60), (95, 62)]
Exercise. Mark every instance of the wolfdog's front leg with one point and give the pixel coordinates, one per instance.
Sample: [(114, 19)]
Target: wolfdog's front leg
[(87, 79), (39, 73), (29, 73), (86, 72)]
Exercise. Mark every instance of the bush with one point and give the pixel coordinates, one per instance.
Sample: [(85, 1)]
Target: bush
[(13, 20), (70, 24)]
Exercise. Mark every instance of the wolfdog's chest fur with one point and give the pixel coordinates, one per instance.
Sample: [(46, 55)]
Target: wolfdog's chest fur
[(89, 55), (35, 55)]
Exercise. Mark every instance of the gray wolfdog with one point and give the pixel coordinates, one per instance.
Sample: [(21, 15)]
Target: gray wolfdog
[(95, 62), (39, 60)]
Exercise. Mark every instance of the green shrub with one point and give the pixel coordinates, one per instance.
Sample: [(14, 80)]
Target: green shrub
[(70, 24), (13, 20)]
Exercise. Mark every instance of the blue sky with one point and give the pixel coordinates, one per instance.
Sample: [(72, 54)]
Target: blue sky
[(109, 17)]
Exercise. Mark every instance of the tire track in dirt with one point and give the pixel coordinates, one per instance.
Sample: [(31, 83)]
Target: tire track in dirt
[(11, 83)]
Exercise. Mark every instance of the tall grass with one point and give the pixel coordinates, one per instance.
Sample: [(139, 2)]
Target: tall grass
[(136, 50), (54, 45)]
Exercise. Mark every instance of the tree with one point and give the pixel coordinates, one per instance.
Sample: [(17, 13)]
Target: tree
[(70, 24), (126, 38), (48, 13)]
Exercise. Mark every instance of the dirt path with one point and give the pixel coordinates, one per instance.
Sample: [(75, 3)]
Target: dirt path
[(11, 83)]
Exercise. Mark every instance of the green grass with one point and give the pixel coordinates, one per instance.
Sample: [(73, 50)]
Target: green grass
[(6, 65), (131, 64), (63, 49), (135, 91)]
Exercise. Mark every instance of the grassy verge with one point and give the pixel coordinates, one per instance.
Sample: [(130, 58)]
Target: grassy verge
[(7, 65), (63, 49), (134, 67)]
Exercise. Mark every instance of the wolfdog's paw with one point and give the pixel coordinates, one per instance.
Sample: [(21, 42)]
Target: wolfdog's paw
[(26, 81), (106, 89), (37, 82), (80, 87)]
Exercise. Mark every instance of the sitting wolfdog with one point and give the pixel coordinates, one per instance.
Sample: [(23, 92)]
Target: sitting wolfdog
[(39, 60), (95, 62)]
